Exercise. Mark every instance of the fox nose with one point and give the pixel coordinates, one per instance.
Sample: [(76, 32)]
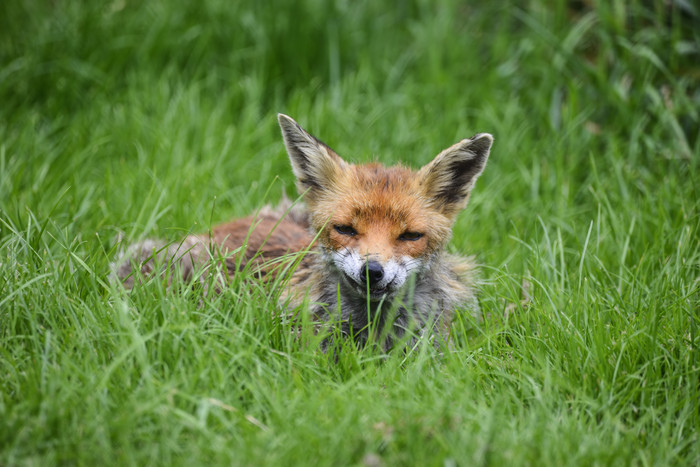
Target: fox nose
[(374, 272)]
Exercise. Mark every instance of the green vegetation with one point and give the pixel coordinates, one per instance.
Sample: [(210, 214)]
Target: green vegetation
[(152, 119)]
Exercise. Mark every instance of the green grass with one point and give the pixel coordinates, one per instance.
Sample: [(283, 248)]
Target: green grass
[(153, 119)]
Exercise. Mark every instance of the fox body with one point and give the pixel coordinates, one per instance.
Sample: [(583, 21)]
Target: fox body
[(376, 238)]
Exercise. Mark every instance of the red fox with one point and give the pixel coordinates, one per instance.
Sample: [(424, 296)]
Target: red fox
[(376, 237)]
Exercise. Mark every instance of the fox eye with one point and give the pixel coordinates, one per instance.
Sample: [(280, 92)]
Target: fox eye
[(345, 230), (410, 236)]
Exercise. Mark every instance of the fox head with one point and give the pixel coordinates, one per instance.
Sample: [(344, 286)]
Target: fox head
[(377, 225)]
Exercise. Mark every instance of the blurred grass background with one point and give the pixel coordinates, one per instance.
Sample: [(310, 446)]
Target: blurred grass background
[(155, 118)]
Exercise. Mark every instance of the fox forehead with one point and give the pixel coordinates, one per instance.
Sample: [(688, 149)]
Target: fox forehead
[(381, 201), (378, 195), (376, 176)]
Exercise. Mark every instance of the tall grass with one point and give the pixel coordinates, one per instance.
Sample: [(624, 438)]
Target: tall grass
[(154, 119)]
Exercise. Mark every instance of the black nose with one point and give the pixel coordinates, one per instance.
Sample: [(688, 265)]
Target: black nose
[(372, 271)]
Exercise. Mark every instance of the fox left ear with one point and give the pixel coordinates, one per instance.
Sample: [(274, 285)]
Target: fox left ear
[(448, 180), (314, 164)]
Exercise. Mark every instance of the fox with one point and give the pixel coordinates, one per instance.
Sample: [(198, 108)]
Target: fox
[(372, 239)]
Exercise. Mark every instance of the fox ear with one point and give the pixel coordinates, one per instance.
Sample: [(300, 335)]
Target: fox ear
[(314, 164), (449, 178)]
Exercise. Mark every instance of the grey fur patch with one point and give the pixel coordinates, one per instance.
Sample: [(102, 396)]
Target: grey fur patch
[(142, 259)]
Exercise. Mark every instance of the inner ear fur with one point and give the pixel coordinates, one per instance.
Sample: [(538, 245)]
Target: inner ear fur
[(314, 164), (448, 180)]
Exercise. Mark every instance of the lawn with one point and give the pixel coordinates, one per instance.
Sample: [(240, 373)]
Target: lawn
[(127, 120)]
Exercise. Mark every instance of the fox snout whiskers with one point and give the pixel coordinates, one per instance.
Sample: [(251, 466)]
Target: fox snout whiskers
[(369, 276)]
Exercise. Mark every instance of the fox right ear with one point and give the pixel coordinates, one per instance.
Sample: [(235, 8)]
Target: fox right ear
[(448, 180), (314, 164)]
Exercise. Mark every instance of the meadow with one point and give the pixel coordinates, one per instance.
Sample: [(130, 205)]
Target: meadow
[(124, 120)]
